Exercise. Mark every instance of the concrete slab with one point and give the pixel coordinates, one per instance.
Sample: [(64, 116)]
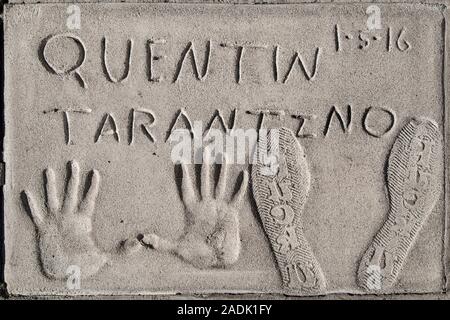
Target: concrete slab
[(94, 203)]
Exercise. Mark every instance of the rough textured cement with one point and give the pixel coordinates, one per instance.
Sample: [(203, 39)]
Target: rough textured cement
[(88, 186), (240, 2)]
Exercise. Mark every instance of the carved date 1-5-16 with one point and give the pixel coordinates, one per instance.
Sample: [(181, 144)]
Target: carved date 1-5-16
[(389, 40)]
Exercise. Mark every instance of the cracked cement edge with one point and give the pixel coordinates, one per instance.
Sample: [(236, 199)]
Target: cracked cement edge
[(238, 297), (234, 2), (222, 294), (446, 137)]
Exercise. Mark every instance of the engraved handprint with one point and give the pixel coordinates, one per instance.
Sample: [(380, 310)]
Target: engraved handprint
[(65, 230), (211, 237)]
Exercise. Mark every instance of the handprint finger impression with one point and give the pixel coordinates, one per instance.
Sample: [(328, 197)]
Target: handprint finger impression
[(211, 237), (64, 229)]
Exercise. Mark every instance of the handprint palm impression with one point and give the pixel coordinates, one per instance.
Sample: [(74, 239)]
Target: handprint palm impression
[(64, 229), (414, 184), (211, 237)]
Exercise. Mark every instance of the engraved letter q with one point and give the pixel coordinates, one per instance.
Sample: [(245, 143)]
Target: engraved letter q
[(74, 69)]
